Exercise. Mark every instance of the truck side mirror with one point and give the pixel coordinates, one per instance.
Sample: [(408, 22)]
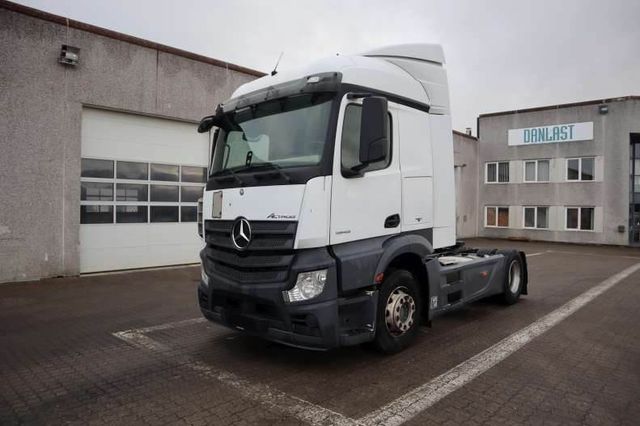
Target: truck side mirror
[(373, 130), (208, 122)]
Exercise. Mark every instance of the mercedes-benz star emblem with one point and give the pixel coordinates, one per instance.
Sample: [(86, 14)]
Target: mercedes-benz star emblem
[(241, 233)]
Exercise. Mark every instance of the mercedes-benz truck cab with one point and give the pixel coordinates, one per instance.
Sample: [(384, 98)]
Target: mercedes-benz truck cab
[(329, 211)]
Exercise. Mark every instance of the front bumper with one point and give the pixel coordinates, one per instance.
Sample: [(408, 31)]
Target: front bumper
[(325, 322)]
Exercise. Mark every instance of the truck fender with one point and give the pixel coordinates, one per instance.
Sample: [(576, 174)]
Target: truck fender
[(394, 247), (419, 245)]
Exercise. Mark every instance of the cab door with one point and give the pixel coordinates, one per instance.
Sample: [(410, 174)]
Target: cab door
[(369, 205)]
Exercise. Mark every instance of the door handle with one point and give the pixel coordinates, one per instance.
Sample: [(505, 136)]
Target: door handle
[(392, 221)]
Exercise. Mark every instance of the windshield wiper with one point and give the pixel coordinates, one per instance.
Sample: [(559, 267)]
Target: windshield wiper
[(275, 171), (221, 176)]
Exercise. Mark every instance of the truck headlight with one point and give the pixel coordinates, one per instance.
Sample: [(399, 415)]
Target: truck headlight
[(204, 277), (308, 285)]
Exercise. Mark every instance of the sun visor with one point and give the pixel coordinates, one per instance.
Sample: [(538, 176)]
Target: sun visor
[(321, 82)]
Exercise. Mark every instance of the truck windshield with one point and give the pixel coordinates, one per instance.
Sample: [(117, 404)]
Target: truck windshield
[(287, 132)]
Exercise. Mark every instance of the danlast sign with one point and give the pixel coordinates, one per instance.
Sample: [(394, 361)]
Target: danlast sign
[(551, 134)]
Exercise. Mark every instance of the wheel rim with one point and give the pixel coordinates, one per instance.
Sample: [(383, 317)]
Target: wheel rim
[(514, 276), (399, 311)]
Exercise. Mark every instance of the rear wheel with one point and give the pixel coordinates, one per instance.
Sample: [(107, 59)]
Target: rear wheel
[(513, 277), (399, 312)]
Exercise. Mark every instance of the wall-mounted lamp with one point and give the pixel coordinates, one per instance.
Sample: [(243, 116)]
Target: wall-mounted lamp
[(69, 55), (603, 109)]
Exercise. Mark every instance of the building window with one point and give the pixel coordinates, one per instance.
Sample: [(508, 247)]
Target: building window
[(496, 217), (132, 192), (164, 193), (96, 214), (131, 170), (96, 191), (92, 168), (190, 194), (536, 171), (193, 174), (536, 217), (635, 170), (188, 214), (144, 192), (164, 213), (580, 218), (165, 172), (131, 214), (581, 169), (497, 172)]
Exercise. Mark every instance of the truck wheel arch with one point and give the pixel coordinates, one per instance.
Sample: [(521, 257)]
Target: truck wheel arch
[(408, 252)]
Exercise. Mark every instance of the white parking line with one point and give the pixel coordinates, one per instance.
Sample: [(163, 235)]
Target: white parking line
[(141, 340), (169, 325), (305, 411), (134, 270), (290, 405), (538, 254), (412, 403), (580, 253), (401, 409)]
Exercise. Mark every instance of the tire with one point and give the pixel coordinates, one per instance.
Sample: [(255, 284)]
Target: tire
[(399, 292), (513, 277)]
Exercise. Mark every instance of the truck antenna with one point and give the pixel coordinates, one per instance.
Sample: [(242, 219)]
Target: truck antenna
[(274, 72)]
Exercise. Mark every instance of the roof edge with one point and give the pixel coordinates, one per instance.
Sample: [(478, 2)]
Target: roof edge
[(61, 20), (568, 105), (459, 133)]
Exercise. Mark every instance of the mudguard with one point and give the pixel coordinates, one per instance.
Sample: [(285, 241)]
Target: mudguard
[(403, 244)]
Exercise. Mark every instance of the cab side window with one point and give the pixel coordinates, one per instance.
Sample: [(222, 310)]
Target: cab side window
[(350, 144)]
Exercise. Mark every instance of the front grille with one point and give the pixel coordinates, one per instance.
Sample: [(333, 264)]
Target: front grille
[(266, 259)]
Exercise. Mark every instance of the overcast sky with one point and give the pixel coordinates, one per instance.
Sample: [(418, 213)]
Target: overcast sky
[(501, 54)]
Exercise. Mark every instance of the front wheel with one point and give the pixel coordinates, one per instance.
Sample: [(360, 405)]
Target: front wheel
[(399, 312)]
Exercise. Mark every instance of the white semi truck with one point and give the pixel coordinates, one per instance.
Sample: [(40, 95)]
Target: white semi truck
[(329, 211)]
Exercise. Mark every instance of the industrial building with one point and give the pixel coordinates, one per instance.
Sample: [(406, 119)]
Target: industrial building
[(568, 173), (101, 166)]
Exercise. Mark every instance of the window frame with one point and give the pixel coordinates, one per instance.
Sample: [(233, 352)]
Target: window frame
[(535, 226), (115, 203), (497, 210), (536, 161), (566, 169), (497, 164), (579, 228)]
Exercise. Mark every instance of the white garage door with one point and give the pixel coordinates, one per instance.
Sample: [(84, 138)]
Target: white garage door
[(140, 181)]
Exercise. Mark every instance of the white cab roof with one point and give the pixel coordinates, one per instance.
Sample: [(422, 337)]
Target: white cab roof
[(412, 71), (419, 51)]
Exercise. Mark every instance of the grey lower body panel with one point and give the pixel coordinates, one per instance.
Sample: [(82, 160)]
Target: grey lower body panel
[(452, 287), (325, 322), (319, 326)]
